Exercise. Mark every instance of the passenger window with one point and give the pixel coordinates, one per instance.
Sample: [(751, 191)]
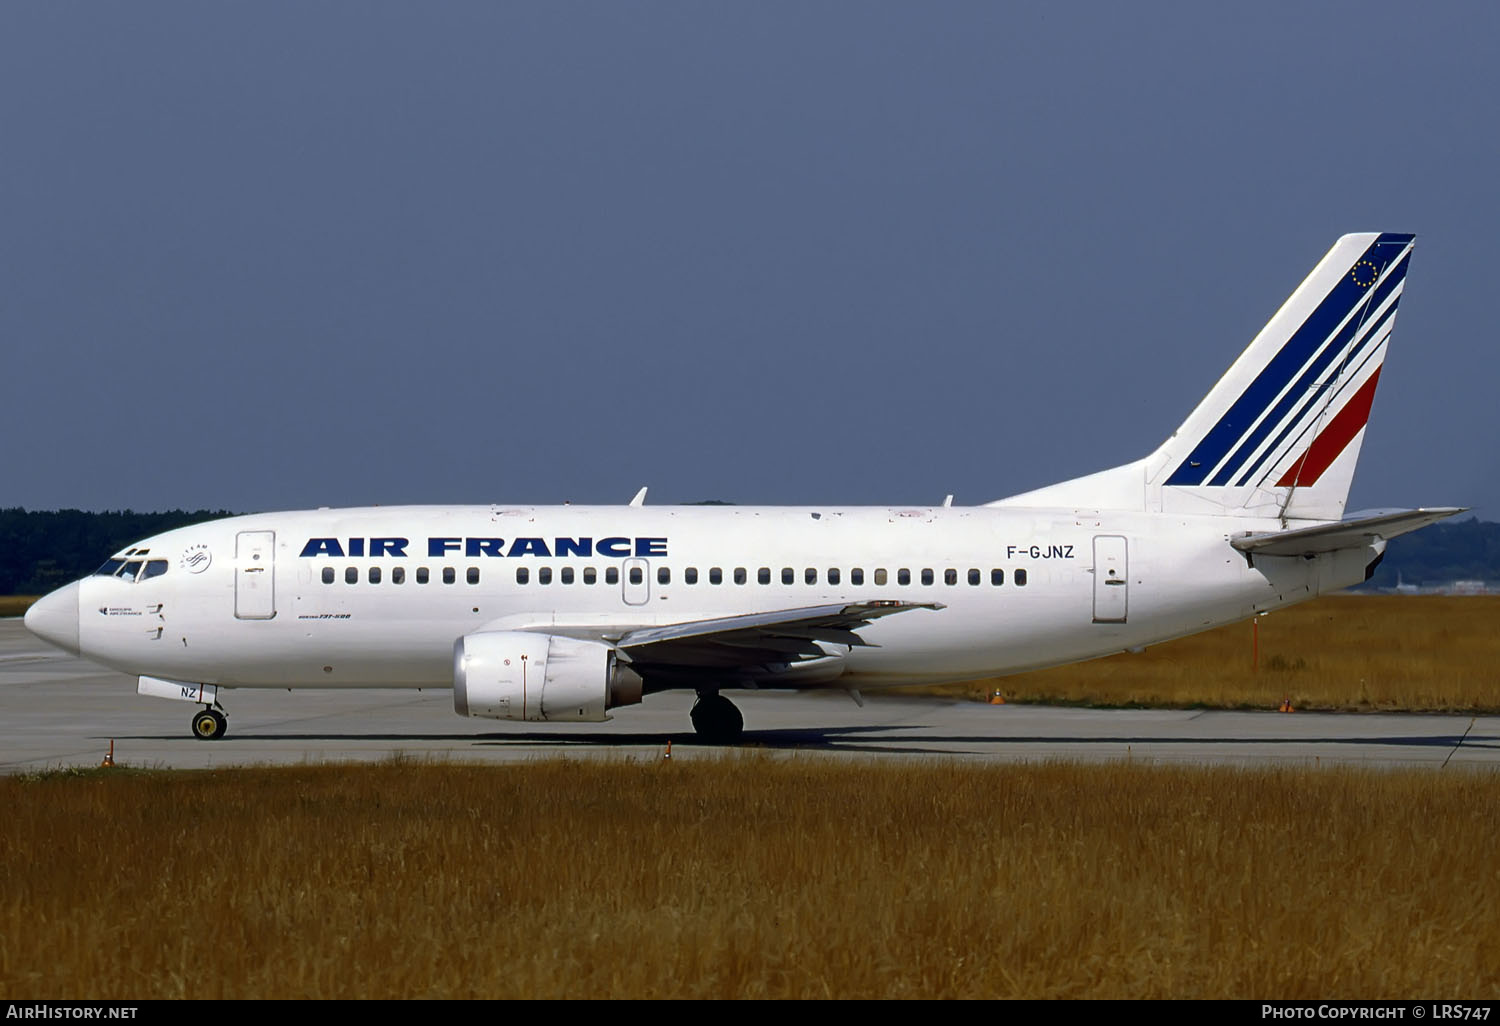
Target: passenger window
[(567, 575), (740, 575), (690, 575), (857, 576), (398, 575), (787, 575), (833, 575), (997, 577), (374, 575), (544, 575), (328, 575), (763, 575), (472, 576), (810, 575), (448, 575), (950, 576), (154, 568), (974, 577), (351, 575), (903, 576), (421, 575), (926, 576), (523, 575), (663, 575), (715, 575), (880, 577), (590, 575), (611, 575), (1020, 578), (636, 577)]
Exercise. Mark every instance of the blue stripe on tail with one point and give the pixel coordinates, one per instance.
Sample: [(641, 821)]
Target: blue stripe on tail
[(1284, 366)]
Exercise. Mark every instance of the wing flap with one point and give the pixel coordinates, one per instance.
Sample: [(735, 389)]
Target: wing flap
[(759, 639)]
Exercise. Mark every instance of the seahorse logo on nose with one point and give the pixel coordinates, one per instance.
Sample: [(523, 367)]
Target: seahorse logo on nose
[(196, 559)]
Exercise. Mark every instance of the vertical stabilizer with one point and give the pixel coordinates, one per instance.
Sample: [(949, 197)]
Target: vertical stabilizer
[(1280, 433)]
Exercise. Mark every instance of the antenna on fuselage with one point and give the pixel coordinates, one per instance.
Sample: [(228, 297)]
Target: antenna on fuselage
[(949, 500), (640, 497)]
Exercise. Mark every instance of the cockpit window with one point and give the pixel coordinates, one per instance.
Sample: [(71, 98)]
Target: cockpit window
[(130, 570)]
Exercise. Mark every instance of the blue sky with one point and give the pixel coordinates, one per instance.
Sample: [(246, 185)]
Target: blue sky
[(265, 255)]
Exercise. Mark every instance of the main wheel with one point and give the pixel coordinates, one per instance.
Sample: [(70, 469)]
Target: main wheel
[(717, 720), (209, 725)]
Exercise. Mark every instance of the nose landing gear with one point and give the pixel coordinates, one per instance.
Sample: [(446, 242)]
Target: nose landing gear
[(209, 724)]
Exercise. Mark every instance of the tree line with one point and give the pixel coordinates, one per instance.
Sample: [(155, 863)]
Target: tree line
[(1452, 550), (45, 549)]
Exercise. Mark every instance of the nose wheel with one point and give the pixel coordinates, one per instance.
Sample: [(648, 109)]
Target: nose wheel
[(209, 724)]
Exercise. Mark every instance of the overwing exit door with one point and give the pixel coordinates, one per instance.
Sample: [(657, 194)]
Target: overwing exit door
[(635, 582)]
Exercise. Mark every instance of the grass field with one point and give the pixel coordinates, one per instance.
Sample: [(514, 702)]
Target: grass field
[(15, 605), (750, 876), (1351, 652)]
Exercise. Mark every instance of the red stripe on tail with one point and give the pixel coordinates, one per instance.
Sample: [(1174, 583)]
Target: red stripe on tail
[(1338, 434)]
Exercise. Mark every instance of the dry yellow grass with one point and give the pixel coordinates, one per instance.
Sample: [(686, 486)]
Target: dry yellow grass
[(1355, 652), (751, 876), (15, 605)]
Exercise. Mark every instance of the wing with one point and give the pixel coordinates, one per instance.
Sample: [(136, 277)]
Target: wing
[(757, 643), (1351, 532)]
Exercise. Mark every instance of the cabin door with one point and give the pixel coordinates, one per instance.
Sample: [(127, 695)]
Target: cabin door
[(1111, 581), (255, 575)]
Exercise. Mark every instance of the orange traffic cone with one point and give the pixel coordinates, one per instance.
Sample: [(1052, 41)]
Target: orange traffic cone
[(109, 760), (997, 699), (1286, 706)]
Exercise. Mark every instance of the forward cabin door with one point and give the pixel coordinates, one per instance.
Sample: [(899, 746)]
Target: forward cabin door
[(255, 575), (1111, 580)]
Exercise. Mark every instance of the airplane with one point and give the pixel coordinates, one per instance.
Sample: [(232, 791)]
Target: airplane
[(565, 613)]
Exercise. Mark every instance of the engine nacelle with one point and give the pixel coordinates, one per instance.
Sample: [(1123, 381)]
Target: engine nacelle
[(518, 675)]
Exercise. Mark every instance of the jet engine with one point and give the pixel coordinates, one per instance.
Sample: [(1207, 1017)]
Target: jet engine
[(518, 675)]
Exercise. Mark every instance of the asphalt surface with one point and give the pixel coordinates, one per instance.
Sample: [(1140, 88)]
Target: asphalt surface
[(58, 711)]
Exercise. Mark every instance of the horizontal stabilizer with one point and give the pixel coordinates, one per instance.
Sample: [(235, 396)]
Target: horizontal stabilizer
[(1353, 532)]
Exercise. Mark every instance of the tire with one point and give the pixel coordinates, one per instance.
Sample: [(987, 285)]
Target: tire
[(717, 720), (209, 725)]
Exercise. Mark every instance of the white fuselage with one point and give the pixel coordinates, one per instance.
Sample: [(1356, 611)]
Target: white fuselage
[(362, 597)]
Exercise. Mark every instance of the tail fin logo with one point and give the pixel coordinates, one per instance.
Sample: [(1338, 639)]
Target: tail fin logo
[(1309, 400)]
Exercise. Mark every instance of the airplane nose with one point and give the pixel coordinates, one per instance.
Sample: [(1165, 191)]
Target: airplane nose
[(54, 618)]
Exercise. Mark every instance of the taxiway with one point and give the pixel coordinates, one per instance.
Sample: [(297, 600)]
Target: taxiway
[(58, 711)]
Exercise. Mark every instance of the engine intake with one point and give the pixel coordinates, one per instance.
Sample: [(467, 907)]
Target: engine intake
[(518, 675)]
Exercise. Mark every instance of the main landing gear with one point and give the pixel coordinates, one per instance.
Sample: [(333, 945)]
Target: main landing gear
[(209, 724), (716, 719)]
